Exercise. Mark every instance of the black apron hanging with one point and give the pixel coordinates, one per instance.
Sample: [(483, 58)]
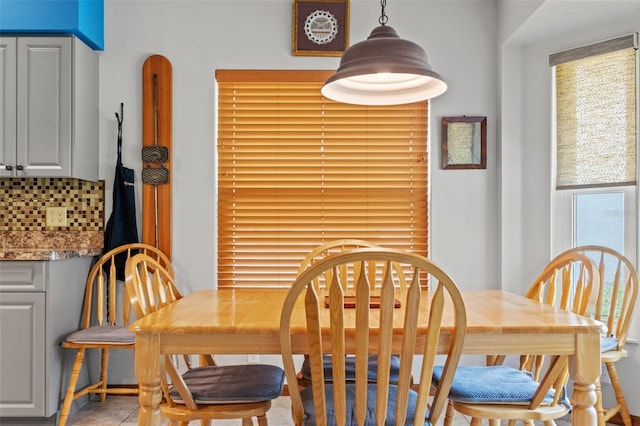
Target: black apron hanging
[(121, 228)]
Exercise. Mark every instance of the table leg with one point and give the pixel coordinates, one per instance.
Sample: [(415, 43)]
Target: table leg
[(149, 368), (584, 367)]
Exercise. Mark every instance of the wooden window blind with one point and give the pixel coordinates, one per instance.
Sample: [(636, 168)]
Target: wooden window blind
[(596, 114), (296, 170)]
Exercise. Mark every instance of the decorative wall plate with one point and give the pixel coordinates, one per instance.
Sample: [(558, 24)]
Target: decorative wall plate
[(320, 27)]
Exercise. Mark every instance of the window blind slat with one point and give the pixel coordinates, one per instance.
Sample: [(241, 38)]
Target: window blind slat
[(296, 170)]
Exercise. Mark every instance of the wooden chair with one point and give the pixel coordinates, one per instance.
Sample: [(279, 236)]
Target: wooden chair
[(319, 253), (616, 300), (340, 330), (207, 392), (103, 325), (536, 390), (337, 246)]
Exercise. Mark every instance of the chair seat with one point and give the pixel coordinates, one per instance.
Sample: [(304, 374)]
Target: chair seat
[(103, 334), (608, 343), (613, 356), (492, 385), (608, 346), (350, 368), (232, 384), (511, 411), (309, 411)]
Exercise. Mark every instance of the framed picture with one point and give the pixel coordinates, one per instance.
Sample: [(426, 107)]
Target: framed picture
[(464, 142), (320, 27)]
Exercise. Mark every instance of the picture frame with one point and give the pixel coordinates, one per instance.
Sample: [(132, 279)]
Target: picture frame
[(464, 142), (320, 27)]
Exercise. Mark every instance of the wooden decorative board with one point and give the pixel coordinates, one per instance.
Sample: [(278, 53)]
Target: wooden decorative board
[(157, 104)]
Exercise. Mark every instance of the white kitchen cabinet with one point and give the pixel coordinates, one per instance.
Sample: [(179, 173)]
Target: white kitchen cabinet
[(49, 116), (40, 303)]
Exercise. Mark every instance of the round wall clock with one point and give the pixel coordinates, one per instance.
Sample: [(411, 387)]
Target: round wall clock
[(321, 27)]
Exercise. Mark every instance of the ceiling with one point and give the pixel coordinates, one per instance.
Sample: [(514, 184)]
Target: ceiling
[(555, 18)]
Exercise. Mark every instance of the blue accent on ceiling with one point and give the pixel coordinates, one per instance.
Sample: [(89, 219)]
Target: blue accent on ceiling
[(82, 18)]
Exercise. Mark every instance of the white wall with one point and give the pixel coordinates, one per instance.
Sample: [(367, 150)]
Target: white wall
[(525, 134)]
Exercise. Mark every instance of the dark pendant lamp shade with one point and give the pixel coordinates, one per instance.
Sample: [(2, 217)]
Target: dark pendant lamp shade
[(383, 70)]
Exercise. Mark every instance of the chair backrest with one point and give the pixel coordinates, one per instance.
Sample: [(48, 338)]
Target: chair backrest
[(339, 330), (618, 290), (569, 282), (149, 286), (336, 246), (100, 301)]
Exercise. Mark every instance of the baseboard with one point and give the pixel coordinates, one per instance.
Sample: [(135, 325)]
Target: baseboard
[(28, 421)]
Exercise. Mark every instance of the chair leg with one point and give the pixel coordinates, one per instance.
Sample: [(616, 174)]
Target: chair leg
[(599, 408), (71, 389), (262, 421), (104, 370), (495, 359), (449, 415), (617, 389), (247, 421), (475, 422)]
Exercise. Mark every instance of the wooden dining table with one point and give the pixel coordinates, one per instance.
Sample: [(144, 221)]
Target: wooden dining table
[(247, 321)]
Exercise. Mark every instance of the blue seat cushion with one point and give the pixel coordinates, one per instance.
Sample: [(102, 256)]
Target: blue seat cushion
[(608, 343), (309, 410), (350, 368), (232, 383), (491, 385)]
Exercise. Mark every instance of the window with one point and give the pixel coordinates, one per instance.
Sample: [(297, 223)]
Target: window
[(596, 146), (296, 169)]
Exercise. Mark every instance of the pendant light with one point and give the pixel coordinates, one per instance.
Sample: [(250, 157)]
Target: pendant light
[(383, 70)]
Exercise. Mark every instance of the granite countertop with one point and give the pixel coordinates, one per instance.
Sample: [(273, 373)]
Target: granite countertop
[(49, 245), (47, 254)]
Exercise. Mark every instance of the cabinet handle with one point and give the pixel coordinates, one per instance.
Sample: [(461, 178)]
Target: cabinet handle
[(19, 167), (8, 167)]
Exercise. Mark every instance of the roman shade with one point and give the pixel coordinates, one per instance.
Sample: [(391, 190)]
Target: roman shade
[(596, 114), (296, 169)]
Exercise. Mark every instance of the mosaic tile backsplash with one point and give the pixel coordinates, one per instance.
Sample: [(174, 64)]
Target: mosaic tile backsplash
[(23, 209)]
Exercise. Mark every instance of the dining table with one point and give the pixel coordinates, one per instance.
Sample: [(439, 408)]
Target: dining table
[(247, 321)]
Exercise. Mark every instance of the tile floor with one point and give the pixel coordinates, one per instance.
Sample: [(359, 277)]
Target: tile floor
[(123, 410)]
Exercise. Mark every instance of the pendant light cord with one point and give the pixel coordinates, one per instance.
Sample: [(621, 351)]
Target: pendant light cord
[(383, 17)]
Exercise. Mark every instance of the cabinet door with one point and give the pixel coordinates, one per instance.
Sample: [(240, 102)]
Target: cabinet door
[(22, 354), (7, 105), (44, 106)]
